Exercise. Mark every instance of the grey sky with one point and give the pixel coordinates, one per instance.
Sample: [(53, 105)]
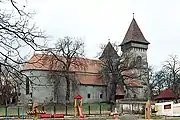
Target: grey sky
[(96, 21)]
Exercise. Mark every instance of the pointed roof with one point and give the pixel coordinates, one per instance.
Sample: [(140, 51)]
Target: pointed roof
[(166, 94), (109, 51), (134, 34), (78, 96)]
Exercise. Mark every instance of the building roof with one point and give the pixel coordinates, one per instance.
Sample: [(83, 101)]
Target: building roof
[(90, 79), (88, 75), (78, 96), (166, 94), (120, 90), (131, 78), (49, 62), (133, 82), (134, 34), (109, 51)]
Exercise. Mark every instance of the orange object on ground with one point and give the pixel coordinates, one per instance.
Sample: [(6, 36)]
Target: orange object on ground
[(147, 110), (78, 105), (80, 112)]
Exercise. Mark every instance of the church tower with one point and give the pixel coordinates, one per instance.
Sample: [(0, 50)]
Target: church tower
[(108, 52), (135, 45), (134, 42)]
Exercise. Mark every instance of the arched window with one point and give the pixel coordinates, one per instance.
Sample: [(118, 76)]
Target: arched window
[(139, 61)]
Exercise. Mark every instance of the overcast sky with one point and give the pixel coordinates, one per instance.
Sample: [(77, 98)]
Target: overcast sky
[(96, 21)]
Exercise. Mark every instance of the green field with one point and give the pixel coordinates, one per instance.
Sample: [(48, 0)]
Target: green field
[(94, 108), (11, 111), (60, 108)]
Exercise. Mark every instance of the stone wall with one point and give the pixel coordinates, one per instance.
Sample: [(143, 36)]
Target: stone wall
[(41, 91), (96, 93), (50, 87), (135, 92)]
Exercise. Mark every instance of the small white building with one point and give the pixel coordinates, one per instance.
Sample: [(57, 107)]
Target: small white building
[(167, 109)]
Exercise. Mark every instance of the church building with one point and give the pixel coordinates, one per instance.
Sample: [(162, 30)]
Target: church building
[(88, 82)]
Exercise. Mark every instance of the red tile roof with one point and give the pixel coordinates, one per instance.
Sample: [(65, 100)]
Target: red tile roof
[(49, 62), (120, 90), (166, 94), (90, 79), (131, 78), (133, 82), (85, 75)]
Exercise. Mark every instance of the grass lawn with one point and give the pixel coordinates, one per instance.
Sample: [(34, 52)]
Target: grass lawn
[(94, 109), (11, 111)]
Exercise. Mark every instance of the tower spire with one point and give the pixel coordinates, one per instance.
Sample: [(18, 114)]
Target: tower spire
[(108, 52), (133, 15), (134, 34)]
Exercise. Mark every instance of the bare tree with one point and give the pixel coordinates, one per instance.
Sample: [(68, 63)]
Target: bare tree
[(17, 34), (66, 55), (114, 68), (159, 82), (172, 71), (7, 87), (155, 82), (167, 77)]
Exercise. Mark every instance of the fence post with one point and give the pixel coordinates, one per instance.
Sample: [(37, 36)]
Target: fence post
[(100, 108), (54, 108), (6, 112), (132, 108), (66, 110), (122, 108), (89, 109), (18, 112), (23, 113), (43, 109)]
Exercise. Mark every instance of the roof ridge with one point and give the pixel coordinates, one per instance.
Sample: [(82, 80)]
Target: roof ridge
[(37, 54)]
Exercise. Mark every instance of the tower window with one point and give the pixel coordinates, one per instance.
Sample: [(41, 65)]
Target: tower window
[(89, 95), (139, 61), (139, 58)]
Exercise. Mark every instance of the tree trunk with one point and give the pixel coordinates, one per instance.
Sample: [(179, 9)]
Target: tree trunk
[(113, 93), (149, 91), (67, 89)]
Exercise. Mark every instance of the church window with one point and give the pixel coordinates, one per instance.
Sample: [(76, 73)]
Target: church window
[(101, 95), (27, 86), (89, 95)]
